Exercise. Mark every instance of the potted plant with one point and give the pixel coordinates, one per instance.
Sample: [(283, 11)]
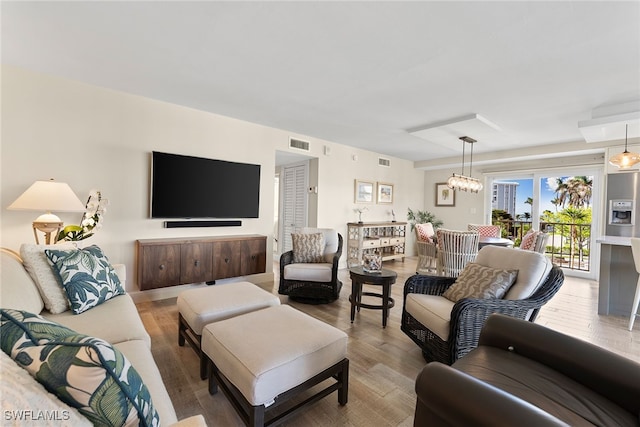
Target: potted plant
[(422, 217)]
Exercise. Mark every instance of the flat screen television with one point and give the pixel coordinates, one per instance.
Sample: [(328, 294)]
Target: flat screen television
[(196, 187)]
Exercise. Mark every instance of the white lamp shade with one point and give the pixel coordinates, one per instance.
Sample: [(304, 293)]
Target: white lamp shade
[(49, 196)]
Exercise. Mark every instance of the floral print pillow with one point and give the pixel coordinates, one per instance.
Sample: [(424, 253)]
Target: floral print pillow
[(84, 372), (86, 276)]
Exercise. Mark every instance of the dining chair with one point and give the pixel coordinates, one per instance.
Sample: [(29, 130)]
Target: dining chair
[(486, 230), (427, 251), (455, 250)]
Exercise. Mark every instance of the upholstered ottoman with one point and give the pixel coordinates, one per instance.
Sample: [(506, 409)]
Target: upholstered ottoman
[(264, 358), (199, 307)]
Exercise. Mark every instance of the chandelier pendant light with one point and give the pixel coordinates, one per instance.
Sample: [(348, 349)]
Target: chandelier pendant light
[(461, 181), (625, 160)]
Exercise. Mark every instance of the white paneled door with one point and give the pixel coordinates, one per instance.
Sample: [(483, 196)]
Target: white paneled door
[(294, 201)]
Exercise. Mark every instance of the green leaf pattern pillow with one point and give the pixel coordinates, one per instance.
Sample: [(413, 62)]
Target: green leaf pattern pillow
[(84, 372), (86, 276)]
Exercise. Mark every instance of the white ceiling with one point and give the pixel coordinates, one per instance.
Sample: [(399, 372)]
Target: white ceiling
[(357, 73)]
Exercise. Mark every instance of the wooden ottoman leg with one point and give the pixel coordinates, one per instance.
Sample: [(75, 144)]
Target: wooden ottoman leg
[(256, 416), (343, 381), (213, 385), (204, 363), (181, 330)]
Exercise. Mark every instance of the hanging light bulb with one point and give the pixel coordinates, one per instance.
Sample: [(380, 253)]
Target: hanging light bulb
[(462, 182), (626, 159)]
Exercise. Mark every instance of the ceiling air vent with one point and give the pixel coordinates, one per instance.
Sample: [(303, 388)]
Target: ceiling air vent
[(298, 144), (384, 162)]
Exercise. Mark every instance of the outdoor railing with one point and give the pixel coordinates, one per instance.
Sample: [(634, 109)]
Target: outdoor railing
[(569, 244)]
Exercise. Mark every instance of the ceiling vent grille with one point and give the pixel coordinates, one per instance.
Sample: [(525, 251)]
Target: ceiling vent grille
[(298, 144), (384, 162)]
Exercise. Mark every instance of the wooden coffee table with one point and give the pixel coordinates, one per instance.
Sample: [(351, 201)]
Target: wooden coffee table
[(384, 278)]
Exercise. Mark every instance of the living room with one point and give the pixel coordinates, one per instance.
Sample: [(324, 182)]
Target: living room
[(76, 128)]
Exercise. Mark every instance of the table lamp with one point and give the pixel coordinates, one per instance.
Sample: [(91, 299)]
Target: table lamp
[(48, 196)]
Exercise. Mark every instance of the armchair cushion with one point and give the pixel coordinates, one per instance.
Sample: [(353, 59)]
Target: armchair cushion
[(308, 247), (309, 272), (433, 311), (533, 268), (478, 281)]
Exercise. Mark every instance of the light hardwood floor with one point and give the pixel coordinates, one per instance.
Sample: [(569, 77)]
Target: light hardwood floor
[(383, 362)]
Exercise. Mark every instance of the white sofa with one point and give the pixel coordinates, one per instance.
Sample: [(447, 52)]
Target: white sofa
[(115, 321)]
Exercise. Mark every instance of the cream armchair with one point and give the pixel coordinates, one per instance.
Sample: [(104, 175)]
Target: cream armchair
[(313, 282)]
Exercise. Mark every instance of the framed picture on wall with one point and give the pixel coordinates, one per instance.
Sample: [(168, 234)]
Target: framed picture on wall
[(385, 193), (363, 192), (445, 196)]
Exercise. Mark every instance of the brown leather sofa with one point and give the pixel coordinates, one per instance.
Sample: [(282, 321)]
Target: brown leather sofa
[(523, 374)]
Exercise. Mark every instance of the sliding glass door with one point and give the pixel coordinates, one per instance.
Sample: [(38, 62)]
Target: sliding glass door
[(562, 203)]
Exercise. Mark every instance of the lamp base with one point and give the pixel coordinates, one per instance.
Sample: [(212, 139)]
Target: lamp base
[(48, 224)]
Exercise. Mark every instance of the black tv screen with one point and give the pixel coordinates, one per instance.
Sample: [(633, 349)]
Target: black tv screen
[(195, 187)]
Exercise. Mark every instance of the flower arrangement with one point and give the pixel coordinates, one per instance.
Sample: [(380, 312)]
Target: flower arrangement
[(91, 219)]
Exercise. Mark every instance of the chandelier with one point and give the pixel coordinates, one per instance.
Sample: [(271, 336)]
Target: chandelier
[(625, 160), (461, 181)]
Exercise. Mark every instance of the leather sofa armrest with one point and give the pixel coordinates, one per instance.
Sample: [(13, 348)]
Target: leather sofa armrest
[(448, 397), (611, 375)]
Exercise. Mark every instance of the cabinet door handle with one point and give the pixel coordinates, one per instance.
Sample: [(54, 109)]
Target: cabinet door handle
[(253, 257), (161, 267), (196, 263), (226, 260)]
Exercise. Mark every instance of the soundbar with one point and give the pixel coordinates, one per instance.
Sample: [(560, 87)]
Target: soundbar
[(188, 224)]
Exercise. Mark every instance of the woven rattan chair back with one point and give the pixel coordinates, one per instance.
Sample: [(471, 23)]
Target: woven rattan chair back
[(455, 250)]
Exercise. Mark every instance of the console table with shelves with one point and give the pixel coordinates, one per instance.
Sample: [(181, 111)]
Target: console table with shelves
[(387, 238), (176, 261)]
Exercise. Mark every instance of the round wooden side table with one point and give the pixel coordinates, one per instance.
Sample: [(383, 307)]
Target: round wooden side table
[(384, 278)]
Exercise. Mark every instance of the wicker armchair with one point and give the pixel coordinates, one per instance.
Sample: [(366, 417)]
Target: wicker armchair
[(314, 283), (455, 250), (425, 311)]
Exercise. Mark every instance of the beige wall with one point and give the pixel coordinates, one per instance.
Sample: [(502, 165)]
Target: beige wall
[(92, 137)]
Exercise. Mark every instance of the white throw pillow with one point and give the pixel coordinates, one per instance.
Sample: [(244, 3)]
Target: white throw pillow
[(39, 268)]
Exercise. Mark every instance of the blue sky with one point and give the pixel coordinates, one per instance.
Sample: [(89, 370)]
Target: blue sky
[(525, 189)]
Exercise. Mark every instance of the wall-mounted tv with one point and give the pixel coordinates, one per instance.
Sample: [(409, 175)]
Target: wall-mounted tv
[(196, 187)]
